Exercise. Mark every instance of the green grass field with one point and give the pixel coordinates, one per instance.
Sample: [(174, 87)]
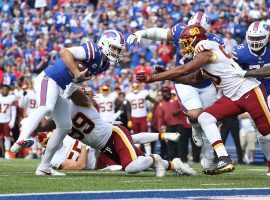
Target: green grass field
[(17, 176)]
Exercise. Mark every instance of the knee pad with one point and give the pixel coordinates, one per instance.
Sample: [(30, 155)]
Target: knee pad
[(206, 118)]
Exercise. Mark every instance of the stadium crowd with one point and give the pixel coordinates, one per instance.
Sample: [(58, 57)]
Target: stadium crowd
[(33, 32)]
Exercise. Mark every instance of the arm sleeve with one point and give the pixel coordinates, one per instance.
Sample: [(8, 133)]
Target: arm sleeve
[(155, 33), (78, 52)]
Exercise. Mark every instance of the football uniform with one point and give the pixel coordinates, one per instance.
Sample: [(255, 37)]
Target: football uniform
[(200, 95), (6, 104), (138, 110), (249, 61), (114, 141), (106, 106), (28, 102), (240, 94)]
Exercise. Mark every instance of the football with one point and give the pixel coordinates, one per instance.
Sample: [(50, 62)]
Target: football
[(81, 66)]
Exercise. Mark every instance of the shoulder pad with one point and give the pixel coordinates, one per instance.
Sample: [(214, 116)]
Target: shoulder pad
[(238, 52), (205, 45), (216, 38)]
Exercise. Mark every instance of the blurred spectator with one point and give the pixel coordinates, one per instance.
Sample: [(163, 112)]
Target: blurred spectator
[(165, 51), (229, 42), (248, 138), (9, 78)]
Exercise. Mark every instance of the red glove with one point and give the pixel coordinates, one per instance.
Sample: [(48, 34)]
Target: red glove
[(142, 77)]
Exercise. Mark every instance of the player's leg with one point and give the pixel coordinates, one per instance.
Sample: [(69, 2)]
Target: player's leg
[(129, 160), (147, 137), (192, 106), (47, 92), (208, 96), (256, 106), (222, 108), (7, 140), (62, 119)]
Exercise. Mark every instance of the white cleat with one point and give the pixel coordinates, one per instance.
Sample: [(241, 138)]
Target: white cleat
[(268, 173), (18, 146), (183, 168), (197, 137), (206, 162), (159, 166), (48, 172), (172, 136)]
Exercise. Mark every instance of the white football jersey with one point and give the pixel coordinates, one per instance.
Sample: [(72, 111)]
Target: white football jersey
[(138, 103), (6, 102), (70, 149), (28, 102), (223, 71), (89, 128), (106, 106)]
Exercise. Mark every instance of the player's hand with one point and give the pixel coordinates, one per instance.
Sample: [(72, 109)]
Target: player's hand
[(143, 77), (159, 69), (82, 76), (135, 37)]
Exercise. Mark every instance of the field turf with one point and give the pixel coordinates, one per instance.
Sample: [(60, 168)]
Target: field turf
[(17, 176)]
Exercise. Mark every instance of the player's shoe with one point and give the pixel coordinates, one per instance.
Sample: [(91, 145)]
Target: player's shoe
[(18, 146), (159, 166), (48, 172), (197, 137), (9, 155), (182, 168), (224, 165), (206, 162), (172, 136)]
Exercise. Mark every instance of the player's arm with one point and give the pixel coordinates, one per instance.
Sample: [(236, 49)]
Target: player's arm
[(199, 60), (261, 72), (151, 99), (13, 116), (68, 55), (191, 79), (80, 164), (150, 33)]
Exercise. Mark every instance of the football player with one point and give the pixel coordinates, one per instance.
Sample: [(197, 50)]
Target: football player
[(7, 119), (50, 83), (74, 155), (106, 103), (114, 141), (240, 94), (194, 97), (137, 98)]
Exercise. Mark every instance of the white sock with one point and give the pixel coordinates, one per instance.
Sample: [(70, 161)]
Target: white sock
[(209, 126), (140, 164), (147, 148), (145, 137), (7, 143), (53, 145), (31, 122), (265, 145), (207, 149)]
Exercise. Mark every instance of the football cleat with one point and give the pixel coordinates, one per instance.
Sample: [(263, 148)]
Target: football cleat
[(181, 168), (224, 165), (9, 155), (18, 146), (159, 166), (206, 162), (48, 172), (172, 136), (268, 173)]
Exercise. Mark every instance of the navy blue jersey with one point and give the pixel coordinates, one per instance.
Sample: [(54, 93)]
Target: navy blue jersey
[(63, 77), (176, 31), (248, 60)]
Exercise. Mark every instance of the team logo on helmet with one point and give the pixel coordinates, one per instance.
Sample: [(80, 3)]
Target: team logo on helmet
[(110, 34)]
